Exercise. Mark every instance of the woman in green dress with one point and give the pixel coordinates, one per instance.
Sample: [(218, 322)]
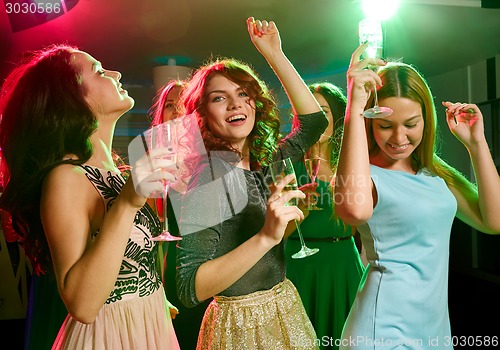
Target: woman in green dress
[(328, 280)]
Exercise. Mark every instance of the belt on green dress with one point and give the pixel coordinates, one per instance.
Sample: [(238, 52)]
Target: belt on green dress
[(322, 239)]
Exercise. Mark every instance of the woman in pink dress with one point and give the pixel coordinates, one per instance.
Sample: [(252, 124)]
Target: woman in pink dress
[(77, 215)]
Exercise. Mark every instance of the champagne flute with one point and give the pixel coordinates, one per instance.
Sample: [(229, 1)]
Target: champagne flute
[(312, 162), (370, 30), (164, 136), (279, 170)]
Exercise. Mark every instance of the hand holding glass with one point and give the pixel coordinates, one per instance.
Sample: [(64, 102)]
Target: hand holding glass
[(312, 161), (370, 30), (164, 136), (279, 170)]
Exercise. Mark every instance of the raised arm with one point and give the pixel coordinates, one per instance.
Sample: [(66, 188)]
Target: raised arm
[(265, 37), (480, 209), (353, 185)]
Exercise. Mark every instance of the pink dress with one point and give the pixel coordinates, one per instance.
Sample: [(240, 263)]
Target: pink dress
[(135, 315)]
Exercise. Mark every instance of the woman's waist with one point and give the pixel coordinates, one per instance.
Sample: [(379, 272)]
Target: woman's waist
[(326, 238), (133, 284), (258, 296), (127, 290)]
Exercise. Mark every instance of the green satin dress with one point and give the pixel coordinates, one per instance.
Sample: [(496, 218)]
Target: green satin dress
[(328, 280)]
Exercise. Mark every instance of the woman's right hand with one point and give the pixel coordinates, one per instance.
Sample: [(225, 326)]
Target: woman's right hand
[(279, 213)]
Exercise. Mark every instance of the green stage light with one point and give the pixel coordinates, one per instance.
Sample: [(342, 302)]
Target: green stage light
[(379, 9)]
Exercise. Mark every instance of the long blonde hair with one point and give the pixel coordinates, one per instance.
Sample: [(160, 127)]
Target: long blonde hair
[(403, 80)]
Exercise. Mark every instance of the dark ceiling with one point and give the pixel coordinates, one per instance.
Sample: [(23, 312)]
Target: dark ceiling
[(318, 36)]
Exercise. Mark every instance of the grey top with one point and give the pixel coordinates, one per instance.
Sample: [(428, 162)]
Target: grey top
[(225, 206)]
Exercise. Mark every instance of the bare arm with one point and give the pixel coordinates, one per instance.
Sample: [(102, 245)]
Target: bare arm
[(478, 210), (266, 39), (70, 210), (353, 186)]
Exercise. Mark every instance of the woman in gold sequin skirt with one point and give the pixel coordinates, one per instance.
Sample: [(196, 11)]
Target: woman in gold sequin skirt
[(271, 319), (232, 223)]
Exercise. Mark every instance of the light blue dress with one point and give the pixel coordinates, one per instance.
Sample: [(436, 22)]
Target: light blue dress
[(402, 301)]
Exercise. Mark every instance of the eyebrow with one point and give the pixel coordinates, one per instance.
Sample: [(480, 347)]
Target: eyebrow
[(224, 91), (407, 120), (215, 92)]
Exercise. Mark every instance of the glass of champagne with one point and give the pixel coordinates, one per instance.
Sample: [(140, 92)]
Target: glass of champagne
[(279, 170), (370, 30), (164, 136), (312, 161)]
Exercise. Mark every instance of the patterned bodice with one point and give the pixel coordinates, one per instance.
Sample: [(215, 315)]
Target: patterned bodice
[(138, 275)]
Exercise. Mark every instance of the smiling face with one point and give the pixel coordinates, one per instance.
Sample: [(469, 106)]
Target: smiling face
[(104, 92), (230, 112), (398, 135)]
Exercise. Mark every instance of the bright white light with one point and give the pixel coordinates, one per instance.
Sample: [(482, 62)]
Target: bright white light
[(467, 3), (380, 9)]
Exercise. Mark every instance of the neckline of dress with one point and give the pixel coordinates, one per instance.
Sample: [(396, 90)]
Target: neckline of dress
[(418, 172), (117, 171)]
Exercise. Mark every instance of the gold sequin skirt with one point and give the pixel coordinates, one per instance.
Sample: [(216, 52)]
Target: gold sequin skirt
[(271, 319)]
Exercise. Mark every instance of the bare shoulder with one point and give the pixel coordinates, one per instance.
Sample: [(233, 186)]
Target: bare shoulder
[(65, 171), (67, 180), (69, 199)]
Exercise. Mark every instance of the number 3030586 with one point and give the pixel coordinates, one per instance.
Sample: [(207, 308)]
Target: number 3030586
[(474, 341), (33, 8)]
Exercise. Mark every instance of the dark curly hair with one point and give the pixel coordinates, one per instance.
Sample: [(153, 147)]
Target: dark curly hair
[(44, 118), (265, 134)]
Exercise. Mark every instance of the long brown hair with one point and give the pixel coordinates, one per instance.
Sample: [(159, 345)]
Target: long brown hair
[(44, 118)]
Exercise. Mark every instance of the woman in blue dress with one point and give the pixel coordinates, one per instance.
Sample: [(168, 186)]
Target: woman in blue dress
[(403, 198)]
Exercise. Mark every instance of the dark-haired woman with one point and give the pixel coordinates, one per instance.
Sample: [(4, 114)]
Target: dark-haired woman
[(327, 281), (76, 214)]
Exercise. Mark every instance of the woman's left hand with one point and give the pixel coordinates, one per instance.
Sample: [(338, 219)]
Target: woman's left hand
[(151, 171), (360, 79), (465, 121)]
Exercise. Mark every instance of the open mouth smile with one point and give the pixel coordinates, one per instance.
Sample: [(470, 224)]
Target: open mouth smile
[(236, 118)]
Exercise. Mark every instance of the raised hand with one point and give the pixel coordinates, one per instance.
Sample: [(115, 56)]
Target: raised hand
[(264, 35), (360, 79), (465, 122)]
